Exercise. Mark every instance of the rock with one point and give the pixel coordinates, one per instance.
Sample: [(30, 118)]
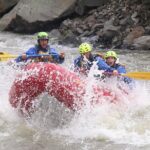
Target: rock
[(67, 22), (134, 17), (81, 4), (84, 27), (126, 21), (108, 26), (55, 33), (142, 43), (85, 34), (92, 40), (5, 5), (147, 30), (35, 15), (70, 39), (135, 33), (93, 3), (110, 30), (79, 31), (146, 3), (97, 26), (116, 24), (90, 19)]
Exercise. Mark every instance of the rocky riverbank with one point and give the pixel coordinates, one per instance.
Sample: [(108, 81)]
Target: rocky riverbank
[(105, 24), (119, 24)]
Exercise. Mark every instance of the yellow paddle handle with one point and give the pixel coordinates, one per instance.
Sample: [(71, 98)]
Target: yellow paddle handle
[(138, 75)]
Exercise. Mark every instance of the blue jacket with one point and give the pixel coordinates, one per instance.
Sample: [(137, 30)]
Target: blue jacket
[(102, 65), (80, 63), (37, 49)]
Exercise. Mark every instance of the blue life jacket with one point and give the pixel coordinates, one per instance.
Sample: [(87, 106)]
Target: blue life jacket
[(38, 50)]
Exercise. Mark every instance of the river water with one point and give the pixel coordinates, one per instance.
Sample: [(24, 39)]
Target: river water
[(53, 127)]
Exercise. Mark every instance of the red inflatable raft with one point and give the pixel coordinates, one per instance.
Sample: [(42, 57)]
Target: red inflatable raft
[(57, 81)]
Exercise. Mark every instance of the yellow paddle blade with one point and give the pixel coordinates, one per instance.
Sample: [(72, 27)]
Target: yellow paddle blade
[(6, 56), (138, 75)]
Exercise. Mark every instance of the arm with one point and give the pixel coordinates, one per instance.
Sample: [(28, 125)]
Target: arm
[(77, 64), (79, 67), (102, 65), (31, 51), (57, 58), (121, 69)]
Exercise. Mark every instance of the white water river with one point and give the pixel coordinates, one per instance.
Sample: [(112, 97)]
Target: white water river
[(106, 127)]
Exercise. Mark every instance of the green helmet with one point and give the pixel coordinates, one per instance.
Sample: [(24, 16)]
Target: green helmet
[(42, 36), (111, 54), (84, 48)]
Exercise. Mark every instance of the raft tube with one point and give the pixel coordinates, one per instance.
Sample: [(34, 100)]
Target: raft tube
[(57, 81)]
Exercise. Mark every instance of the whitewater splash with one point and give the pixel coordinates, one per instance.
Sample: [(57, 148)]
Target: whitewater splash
[(123, 123), (126, 123)]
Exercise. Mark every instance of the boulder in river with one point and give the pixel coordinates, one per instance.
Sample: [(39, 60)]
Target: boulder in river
[(5, 5), (30, 16), (34, 15), (142, 43), (136, 32)]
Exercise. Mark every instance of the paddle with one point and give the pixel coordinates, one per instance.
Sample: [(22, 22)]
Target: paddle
[(7, 56), (135, 75), (138, 75)]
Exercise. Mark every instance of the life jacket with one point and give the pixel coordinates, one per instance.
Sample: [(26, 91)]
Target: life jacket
[(41, 51), (117, 65), (86, 64)]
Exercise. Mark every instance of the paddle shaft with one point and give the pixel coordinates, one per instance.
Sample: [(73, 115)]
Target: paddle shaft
[(5, 57), (135, 75), (138, 75)]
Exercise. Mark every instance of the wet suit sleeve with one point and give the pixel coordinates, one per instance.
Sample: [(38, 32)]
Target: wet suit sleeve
[(102, 65), (56, 56), (121, 69), (31, 51), (77, 63), (80, 67)]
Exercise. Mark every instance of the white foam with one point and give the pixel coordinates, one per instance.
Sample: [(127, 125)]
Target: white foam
[(125, 123)]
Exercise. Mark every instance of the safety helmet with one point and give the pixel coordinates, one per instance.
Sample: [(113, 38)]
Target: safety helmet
[(42, 36), (84, 48), (111, 54)]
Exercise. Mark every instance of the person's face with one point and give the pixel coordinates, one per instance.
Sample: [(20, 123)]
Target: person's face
[(110, 61), (87, 55), (43, 43)]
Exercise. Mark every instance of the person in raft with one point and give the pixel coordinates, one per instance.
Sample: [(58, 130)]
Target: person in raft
[(109, 63), (42, 51), (113, 67), (84, 62)]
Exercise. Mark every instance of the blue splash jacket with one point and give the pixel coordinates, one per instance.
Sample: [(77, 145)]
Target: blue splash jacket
[(36, 49)]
